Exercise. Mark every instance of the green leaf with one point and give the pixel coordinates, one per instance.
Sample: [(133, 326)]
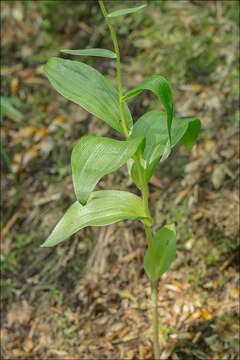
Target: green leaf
[(164, 252), (126, 11), (132, 168), (153, 125), (171, 227), (88, 88), (190, 137), (92, 52), (95, 156), (132, 171), (160, 87), (103, 208)]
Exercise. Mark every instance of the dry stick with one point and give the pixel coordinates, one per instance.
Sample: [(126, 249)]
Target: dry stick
[(144, 187)]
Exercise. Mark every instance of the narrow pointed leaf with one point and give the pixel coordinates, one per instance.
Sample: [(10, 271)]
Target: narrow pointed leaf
[(88, 88), (132, 169), (92, 52), (95, 156), (153, 125), (164, 252), (126, 11), (160, 87), (134, 173), (104, 208)]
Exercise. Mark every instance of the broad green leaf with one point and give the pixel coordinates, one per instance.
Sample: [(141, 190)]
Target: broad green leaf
[(190, 137), (164, 252), (92, 52), (103, 208), (126, 11), (160, 87), (88, 88), (153, 126), (95, 156)]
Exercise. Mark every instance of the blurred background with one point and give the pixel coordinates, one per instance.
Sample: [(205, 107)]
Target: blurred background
[(89, 297)]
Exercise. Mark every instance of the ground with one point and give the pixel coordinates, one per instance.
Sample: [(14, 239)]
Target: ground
[(89, 296)]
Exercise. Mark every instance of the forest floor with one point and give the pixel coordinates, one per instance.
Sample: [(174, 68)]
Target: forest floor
[(89, 298)]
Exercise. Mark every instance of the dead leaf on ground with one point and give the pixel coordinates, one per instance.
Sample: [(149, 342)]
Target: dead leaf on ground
[(28, 345), (20, 313), (40, 134), (30, 155), (14, 86), (27, 131), (182, 194)]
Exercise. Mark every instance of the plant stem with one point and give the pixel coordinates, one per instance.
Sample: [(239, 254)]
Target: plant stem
[(144, 187), (154, 294), (115, 43), (154, 288)]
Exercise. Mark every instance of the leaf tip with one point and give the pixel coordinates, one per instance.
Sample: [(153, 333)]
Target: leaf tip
[(43, 245), (171, 227), (46, 243)]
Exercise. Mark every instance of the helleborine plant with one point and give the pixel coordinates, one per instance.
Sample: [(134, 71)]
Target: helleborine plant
[(148, 141)]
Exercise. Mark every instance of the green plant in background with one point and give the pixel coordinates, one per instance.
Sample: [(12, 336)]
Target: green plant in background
[(8, 109), (148, 141)]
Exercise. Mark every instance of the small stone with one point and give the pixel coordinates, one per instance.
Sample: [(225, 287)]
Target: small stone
[(218, 176)]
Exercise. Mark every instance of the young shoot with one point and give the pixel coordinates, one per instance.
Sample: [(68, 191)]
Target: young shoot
[(148, 141)]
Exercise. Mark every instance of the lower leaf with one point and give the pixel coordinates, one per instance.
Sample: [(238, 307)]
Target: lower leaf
[(163, 252), (103, 208)]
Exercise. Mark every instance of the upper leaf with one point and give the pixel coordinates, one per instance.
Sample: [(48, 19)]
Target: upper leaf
[(160, 87), (95, 156), (153, 125), (92, 52), (88, 88), (164, 252), (104, 207), (126, 11)]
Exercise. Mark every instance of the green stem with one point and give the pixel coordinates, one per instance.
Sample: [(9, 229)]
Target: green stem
[(115, 43), (154, 294), (144, 187), (154, 287)]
